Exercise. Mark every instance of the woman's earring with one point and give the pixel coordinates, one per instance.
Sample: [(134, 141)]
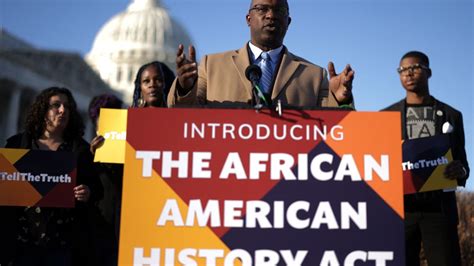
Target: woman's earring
[(141, 102)]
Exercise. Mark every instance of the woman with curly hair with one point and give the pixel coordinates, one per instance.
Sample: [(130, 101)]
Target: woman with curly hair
[(52, 236)]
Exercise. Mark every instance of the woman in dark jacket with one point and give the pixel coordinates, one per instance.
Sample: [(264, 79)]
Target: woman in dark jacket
[(55, 236), (107, 217)]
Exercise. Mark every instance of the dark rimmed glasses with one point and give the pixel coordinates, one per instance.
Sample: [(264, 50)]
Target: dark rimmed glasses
[(413, 69)]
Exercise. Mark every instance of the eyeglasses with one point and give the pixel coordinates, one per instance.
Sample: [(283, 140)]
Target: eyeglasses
[(264, 9), (415, 69)]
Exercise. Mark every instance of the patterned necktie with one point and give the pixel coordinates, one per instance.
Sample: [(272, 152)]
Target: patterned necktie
[(267, 71)]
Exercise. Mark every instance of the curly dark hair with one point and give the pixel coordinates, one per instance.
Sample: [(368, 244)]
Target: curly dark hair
[(103, 101), (168, 77), (35, 124)]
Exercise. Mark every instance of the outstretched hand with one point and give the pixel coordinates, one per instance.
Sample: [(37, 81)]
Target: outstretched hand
[(341, 84), (186, 68)]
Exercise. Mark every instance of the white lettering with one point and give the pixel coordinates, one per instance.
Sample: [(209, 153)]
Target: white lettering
[(147, 157), (233, 165), (201, 164), (170, 213)]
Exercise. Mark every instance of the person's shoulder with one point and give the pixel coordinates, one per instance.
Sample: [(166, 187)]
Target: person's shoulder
[(15, 141), (225, 54), (81, 145), (447, 107), (303, 61), (395, 106)]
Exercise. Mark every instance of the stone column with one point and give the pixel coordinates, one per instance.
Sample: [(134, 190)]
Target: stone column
[(13, 113)]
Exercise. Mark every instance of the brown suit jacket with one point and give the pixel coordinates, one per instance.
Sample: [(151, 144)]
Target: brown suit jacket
[(222, 82)]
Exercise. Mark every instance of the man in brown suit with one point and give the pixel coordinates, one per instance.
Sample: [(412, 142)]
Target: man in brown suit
[(220, 79)]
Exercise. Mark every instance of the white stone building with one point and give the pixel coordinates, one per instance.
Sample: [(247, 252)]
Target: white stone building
[(144, 32), (25, 71)]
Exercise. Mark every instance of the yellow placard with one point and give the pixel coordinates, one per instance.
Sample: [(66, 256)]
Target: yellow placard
[(112, 126)]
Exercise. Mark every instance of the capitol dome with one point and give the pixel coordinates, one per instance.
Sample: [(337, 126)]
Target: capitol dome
[(143, 33)]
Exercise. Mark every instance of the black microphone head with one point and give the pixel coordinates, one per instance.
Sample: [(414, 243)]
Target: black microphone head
[(253, 73)]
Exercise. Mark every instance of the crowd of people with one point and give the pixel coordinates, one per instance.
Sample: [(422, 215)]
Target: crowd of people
[(89, 233)]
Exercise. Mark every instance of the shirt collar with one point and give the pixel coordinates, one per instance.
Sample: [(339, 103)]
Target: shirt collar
[(274, 54)]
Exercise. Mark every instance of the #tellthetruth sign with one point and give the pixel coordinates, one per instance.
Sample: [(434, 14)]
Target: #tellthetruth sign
[(37, 178), (424, 163), (237, 187)]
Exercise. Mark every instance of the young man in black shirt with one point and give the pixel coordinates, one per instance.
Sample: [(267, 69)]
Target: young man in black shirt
[(431, 217)]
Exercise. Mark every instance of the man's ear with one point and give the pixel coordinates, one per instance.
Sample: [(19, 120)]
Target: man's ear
[(289, 21), (429, 72), (247, 18)]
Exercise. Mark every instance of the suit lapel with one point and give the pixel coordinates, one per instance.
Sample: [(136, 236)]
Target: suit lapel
[(241, 62), (286, 70)]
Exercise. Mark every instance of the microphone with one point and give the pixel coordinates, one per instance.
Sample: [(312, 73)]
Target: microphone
[(253, 74)]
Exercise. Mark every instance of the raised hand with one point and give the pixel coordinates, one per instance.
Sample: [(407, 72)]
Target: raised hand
[(186, 68), (96, 142), (341, 84)]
